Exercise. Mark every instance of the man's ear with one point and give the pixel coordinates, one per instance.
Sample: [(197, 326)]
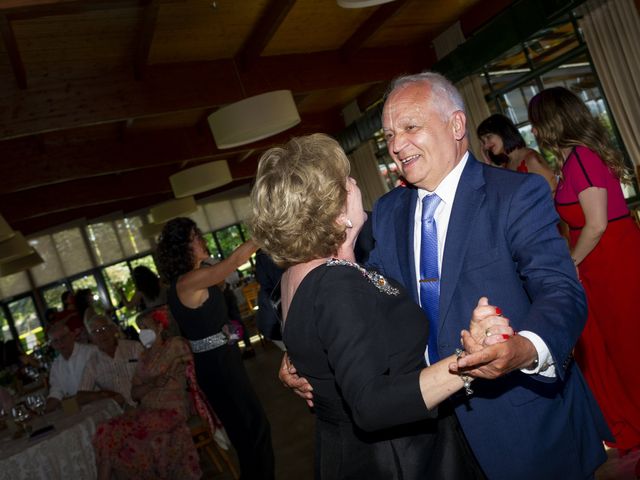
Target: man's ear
[(459, 124)]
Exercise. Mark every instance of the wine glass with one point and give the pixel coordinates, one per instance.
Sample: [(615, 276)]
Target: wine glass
[(36, 403), (21, 415)]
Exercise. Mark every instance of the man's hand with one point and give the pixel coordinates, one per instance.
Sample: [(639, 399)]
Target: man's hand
[(495, 360), (289, 378)]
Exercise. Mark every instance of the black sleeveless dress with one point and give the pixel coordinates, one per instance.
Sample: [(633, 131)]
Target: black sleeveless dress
[(223, 379), (361, 346)]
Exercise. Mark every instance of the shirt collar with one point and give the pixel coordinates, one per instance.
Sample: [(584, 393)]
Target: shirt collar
[(447, 188)]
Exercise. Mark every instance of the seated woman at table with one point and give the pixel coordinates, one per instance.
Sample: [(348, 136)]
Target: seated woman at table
[(153, 440)]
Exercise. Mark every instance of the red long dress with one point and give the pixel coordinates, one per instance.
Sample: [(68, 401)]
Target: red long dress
[(610, 275)]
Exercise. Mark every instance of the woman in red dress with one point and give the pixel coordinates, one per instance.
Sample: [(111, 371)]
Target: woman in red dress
[(604, 242)]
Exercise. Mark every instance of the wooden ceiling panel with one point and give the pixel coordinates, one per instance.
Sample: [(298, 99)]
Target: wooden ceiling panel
[(418, 21), (335, 98), (101, 100), (316, 26), (194, 30), (88, 39)]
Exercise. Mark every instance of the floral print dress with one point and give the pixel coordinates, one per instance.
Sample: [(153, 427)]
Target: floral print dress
[(153, 440)]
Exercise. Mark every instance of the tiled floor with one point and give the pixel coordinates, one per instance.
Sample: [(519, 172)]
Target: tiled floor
[(292, 426)]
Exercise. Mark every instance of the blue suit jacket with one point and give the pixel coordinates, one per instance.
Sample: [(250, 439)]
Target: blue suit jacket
[(503, 243)]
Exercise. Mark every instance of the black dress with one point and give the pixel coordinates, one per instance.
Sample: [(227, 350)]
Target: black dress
[(223, 379), (361, 346)]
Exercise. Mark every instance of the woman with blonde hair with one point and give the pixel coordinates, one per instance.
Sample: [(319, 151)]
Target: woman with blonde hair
[(356, 336), (604, 243)]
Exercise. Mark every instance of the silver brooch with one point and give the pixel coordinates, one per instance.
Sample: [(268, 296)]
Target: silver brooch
[(378, 280)]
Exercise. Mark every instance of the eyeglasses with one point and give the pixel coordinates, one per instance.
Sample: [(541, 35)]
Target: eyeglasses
[(98, 330)]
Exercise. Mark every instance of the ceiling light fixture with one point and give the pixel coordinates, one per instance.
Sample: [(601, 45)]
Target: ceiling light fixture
[(24, 262), (6, 231), (253, 119), (14, 247), (361, 3), (178, 207), (201, 178)]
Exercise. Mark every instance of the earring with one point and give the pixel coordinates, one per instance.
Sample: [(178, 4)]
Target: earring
[(348, 223)]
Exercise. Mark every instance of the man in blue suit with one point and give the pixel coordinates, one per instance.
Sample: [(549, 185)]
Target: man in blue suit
[(497, 237)]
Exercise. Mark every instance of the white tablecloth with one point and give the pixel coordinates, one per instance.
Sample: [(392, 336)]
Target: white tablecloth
[(65, 453)]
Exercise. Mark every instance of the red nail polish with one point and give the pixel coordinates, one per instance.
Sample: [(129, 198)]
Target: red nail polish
[(505, 336), (498, 311)]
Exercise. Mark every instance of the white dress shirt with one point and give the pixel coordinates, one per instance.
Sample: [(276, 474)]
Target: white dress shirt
[(66, 375), (446, 190)]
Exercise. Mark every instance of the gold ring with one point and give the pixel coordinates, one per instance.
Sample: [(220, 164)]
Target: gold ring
[(487, 332)]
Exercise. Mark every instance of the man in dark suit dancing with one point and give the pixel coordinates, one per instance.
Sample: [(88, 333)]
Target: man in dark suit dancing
[(496, 237)]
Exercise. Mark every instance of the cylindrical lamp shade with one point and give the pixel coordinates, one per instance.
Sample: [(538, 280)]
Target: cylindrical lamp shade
[(14, 247), (178, 207), (200, 179), (361, 3), (151, 230), (6, 231), (253, 119), (19, 264)]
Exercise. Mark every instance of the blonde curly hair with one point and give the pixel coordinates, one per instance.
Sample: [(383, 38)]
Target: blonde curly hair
[(300, 192)]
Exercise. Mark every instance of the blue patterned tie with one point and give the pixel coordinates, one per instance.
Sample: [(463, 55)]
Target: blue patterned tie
[(429, 277)]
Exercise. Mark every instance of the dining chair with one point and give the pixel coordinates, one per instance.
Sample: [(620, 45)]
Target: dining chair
[(204, 442)]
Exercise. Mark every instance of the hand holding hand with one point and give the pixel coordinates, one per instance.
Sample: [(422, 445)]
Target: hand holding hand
[(488, 326), (495, 360), (289, 378)]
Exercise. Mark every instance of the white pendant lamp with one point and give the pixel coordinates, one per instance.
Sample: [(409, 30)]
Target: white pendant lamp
[(253, 119), (6, 231), (14, 247), (178, 207), (30, 260), (361, 3), (200, 179), (151, 230)]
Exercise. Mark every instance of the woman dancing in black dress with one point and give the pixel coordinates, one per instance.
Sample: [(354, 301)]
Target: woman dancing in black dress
[(200, 310)]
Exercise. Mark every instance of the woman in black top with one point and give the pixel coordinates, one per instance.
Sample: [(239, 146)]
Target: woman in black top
[(200, 310)]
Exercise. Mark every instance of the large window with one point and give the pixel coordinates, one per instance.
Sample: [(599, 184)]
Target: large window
[(5, 331), (555, 56), (25, 319)]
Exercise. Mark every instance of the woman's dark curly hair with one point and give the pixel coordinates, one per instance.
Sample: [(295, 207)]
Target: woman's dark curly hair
[(174, 254), (146, 281)]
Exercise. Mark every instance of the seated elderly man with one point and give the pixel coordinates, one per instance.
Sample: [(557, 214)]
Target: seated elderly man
[(110, 372), (68, 367)]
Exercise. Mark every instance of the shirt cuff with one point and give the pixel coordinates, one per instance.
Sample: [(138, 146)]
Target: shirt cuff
[(545, 366)]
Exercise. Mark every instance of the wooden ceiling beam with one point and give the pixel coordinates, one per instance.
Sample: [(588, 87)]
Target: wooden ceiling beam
[(11, 46), (50, 220), (273, 16), (30, 9), (87, 192), (25, 166), (197, 85), (367, 29)]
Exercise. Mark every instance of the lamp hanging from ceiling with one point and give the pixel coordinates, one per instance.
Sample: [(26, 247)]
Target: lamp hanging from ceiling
[(253, 119), (24, 262), (361, 3), (14, 247), (6, 231), (178, 207), (200, 178)]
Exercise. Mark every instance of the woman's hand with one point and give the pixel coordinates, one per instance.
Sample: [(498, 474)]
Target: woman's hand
[(488, 326)]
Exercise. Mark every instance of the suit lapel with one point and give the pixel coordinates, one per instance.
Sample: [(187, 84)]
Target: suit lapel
[(404, 217), (469, 197)]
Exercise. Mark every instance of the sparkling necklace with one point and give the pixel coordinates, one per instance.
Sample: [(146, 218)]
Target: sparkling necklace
[(376, 279)]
